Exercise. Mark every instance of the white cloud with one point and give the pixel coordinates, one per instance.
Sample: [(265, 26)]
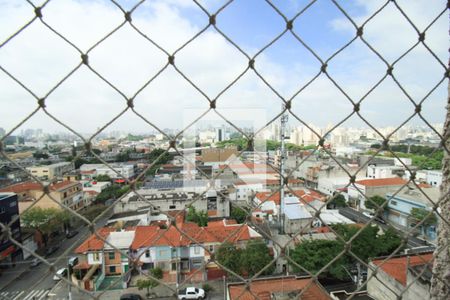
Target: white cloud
[(40, 59)]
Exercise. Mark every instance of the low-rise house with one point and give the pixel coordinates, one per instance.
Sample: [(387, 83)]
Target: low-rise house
[(401, 204), (181, 251), (397, 273), (289, 287), (121, 170), (372, 187), (297, 218)]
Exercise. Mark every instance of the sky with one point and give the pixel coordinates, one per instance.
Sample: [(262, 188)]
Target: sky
[(40, 59)]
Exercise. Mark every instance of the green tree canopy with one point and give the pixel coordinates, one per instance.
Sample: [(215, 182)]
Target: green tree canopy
[(419, 214), (239, 214), (247, 261), (313, 255), (337, 201), (44, 220), (374, 202), (199, 217), (103, 177)]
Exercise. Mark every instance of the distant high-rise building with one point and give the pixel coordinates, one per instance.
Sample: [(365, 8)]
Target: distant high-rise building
[(2, 132)]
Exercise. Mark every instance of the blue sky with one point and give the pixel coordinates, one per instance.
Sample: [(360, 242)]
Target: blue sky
[(40, 59)]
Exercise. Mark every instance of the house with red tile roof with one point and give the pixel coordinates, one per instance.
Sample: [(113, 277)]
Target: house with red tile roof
[(288, 287), (179, 250), (398, 272), (372, 187)]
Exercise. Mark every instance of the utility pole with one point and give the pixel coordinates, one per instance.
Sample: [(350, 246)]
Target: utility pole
[(284, 120)]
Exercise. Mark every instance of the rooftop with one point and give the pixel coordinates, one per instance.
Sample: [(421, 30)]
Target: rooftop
[(397, 267), (264, 289), (382, 181)]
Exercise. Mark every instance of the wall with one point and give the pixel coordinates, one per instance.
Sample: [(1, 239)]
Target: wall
[(378, 287)]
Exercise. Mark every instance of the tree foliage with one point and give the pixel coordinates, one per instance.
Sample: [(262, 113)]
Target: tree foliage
[(45, 220), (239, 214), (247, 261), (337, 201), (419, 214), (199, 217), (111, 192), (313, 255), (375, 202), (157, 157), (103, 177), (150, 283)]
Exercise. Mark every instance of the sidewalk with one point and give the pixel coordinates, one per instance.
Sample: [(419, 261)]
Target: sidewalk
[(162, 292)]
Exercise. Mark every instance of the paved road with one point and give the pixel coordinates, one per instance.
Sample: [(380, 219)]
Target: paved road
[(28, 281), (357, 216)]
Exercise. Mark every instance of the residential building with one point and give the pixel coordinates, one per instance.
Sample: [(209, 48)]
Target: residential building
[(297, 218), (374, 171), (49, 172), (289, 287), (401, 204), (399, 272), (432, 177), (179, 251), (68, 193), (9, 210), (118, 171), (367, 188)]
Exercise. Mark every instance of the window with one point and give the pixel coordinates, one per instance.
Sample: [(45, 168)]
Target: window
[(393, 202), (174, 266), (211, 248), (147, 253), (172, 206), (112, 269), (2, 210), (12, 204), (96, 256), (111, 255), (196, 250)]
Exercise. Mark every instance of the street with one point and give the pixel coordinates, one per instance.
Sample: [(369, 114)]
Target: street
[(24, 282)]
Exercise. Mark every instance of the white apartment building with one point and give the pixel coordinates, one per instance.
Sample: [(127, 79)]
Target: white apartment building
[(89, 171)]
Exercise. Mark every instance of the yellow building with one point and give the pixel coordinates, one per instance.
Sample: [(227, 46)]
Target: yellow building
[(68, 193), (48, 172)]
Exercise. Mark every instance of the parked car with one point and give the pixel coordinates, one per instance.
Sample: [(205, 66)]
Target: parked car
[(191, 293), (130, 297), (72, 261), (51, 250), (35, 262), (61, 272), (71, 234)]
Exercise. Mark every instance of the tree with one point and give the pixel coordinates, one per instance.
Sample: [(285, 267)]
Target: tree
[(103, 177), (199, 217), (229, 256), (419, 214), (337, 201), (255, 257), (150, 283), (111, 192), (375, 202), (313, 255), (248, 261), (44, 220), (238, 214)]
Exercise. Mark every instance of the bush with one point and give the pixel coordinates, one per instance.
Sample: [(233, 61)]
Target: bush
[(207, 287)]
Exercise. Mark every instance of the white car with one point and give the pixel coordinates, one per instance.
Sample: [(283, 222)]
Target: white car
[(191, 293), (61, 272)]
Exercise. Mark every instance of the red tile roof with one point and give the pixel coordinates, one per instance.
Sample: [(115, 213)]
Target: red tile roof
[(215, 232), (304, 196), (382, 181), (32, 186), (93, 243), (263, 289), (397, 267)]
